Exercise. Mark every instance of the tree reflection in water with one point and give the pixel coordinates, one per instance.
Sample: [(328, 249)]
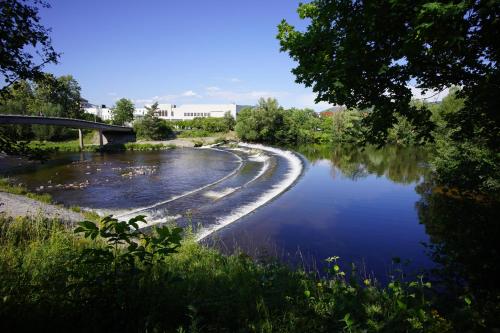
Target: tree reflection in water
[(464, 231), (403, 165), (464, 235)]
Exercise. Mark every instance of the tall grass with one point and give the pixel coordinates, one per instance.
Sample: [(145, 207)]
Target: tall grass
[(47, 284), (5, 186)]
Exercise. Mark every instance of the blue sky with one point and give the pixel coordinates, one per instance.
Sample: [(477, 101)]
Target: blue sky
[(189, 51)]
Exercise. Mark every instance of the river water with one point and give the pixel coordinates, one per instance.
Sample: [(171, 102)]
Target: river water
[(366, 206)]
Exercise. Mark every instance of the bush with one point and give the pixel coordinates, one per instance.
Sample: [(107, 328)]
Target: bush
[(195, 133), (117, 278), (347, 126), (152, 128), (403, 132), (206, 126)]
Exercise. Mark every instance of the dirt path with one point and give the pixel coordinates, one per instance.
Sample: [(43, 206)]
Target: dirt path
[(17, 205)]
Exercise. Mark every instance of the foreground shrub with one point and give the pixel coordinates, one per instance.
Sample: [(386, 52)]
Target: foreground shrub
[(118, 278)]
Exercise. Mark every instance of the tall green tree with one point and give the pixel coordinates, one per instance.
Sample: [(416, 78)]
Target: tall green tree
[(63, 91), (20, 29), (151, 127), (123, 111), (366, 54), (262, 123)]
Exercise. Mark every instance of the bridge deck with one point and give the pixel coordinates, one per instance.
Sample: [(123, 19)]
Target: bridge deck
[(57, 121)]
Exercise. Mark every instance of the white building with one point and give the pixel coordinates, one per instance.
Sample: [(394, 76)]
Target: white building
[(191, 111), (100, 111), (174, 112)]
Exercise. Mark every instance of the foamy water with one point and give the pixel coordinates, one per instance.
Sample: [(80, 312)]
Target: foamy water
[(294, 171), (257, 153), (131, 213)]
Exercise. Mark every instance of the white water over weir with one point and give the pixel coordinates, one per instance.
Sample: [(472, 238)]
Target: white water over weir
[(257, 153), (294, 171)]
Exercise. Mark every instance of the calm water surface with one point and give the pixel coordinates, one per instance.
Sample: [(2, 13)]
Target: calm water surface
[(365, 205), (353, 203)]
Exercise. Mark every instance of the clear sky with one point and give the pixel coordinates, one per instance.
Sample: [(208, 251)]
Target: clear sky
[(189, 51)]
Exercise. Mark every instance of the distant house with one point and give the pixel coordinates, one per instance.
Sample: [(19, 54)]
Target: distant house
[(328, 113), (191, 111)]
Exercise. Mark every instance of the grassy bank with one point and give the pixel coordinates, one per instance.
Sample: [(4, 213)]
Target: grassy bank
[(8, 187), (55, 279), (73, 146)]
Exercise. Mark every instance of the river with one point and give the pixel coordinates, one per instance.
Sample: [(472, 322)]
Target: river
[(365, 205)]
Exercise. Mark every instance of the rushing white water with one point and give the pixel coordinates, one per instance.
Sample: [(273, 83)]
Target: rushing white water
[(258, 154), (294, 171), (131, 213), (220, 194)]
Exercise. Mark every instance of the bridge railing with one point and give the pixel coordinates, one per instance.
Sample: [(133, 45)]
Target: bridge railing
[(59, 121)]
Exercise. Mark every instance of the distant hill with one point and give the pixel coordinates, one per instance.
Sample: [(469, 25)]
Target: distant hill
[(330, 111)]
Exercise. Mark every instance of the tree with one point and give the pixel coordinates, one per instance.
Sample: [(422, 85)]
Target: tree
[(263, 123), (20, 30), (347, 126), (63, 91), (151, 127), (123, 111), (229, 121), (50, 96), (365, 53)]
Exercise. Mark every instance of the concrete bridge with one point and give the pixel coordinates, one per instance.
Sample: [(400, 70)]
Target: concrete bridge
[(107, 133)]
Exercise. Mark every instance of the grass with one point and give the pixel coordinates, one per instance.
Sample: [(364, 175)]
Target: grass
[(5, 186), (73, 146), (197, 133), (49, 281), (148, 146)]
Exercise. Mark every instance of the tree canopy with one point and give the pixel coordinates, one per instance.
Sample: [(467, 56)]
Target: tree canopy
[(151, 127), (25, 44), (123, 111), (367, 53)]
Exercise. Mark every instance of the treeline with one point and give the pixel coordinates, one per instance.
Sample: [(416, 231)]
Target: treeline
[(208, 125), (270, 123), (469, 163), (50, 97), (151, 127)]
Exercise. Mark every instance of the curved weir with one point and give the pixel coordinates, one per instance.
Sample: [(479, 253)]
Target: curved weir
[(206, 188), (129, 214), (292, 174), (264, 173)]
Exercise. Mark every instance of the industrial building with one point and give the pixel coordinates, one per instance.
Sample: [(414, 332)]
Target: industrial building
[(174, 112)]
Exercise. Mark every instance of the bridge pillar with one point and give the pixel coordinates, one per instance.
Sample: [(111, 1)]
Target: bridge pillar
[(100, 139), (80, 139)]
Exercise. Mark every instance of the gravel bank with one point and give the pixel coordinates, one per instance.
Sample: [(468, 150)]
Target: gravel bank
[(17, 205)]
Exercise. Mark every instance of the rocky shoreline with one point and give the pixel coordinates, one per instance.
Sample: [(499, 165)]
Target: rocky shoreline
[(14, 205)]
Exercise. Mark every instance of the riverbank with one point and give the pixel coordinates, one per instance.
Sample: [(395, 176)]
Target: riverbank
[(54, 279), (91, 145), (19, 206), (17, 202)]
